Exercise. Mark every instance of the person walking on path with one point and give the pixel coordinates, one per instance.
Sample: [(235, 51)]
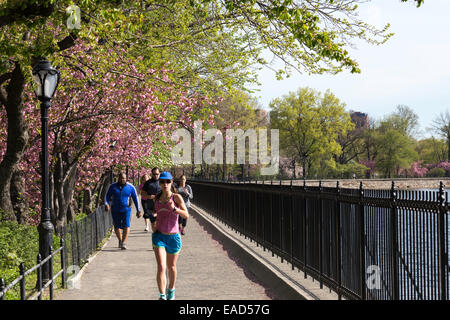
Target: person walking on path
[(149, 191), (185, 191), (166, 239), (144, 199), (120, 193)]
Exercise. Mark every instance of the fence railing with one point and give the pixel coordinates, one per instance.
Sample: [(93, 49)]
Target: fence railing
[(78, 240), (361, 243)]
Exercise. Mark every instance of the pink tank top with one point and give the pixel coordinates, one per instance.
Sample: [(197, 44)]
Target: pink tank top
[(167, 219)]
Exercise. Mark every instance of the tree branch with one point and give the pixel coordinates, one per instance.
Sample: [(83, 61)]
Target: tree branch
[(3, 96), (67, 42), (30, 11)]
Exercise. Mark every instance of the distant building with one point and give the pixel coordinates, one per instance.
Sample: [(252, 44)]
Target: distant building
[(360, 119)]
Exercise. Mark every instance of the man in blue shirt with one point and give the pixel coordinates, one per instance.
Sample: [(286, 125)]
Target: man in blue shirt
[(120, 192)]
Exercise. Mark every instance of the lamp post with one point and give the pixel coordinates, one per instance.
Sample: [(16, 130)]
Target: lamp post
[(47, 80)]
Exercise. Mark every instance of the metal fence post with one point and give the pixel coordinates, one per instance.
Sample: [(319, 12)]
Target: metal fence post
[(320, 236), (2, 287), (394, 243), (442, 243), (305, 247), (50, 266), (361, 243), (63, 261), (22, 281), (281, 214), (271, 223), (338, 240), (39, 274), (291, 218)]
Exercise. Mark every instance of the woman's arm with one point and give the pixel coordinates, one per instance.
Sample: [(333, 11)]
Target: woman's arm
[(191, 194), (179, 203)]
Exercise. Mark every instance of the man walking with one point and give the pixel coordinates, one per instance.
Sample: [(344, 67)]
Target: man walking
[(149, 190), (120, 192)]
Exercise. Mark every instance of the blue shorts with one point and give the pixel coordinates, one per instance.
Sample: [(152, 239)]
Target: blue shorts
[(171, 242), (121, 219)]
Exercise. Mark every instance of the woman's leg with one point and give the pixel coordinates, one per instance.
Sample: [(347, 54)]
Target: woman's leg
[(172, 268), (160, 254)]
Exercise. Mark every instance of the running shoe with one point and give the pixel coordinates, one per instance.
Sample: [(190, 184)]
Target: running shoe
[(124, 246), (120, 244), (171, 294), (162, 296), (146, 228)]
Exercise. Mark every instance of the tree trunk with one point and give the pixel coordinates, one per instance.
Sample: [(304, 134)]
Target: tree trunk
[(293, 164), (224, 171), (18, 199), (87, 201), (70, 213), (96, 193), (64, 181), (17, 139), (304, 168), (102, 192)]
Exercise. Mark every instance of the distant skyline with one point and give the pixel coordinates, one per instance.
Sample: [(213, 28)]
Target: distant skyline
[(412, 68)]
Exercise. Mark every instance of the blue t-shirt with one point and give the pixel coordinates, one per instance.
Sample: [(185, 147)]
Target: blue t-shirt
[(152, 187), (120, 195)]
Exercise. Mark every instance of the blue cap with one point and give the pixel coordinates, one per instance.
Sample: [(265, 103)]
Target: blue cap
[(165, 175)]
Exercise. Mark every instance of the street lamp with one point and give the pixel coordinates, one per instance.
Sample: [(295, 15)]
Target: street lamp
[(47, 80)]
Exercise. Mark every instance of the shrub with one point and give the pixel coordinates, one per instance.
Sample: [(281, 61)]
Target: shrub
[(436, 172), (19, 243)]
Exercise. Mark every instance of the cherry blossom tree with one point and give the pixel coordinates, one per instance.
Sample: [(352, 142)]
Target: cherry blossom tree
[(95, 106)]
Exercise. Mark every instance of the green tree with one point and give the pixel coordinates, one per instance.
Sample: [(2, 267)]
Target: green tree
[(432, 150), (404, 120), (309, 125), (238, 110), (208, 45), (395, 150), (441, 125)]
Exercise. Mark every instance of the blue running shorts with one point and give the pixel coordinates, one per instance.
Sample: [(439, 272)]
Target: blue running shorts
[(121, 219), (171, 242)]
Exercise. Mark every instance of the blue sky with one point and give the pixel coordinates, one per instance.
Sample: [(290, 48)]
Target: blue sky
[(412, 68)]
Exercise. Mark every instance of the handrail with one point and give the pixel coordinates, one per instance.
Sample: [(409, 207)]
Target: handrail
[(100, 221), (27, 272)]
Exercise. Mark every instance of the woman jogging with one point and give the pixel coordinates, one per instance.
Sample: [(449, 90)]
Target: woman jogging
[(166, 238), (185, 191)]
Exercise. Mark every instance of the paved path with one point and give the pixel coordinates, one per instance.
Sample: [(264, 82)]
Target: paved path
[(205, 270)]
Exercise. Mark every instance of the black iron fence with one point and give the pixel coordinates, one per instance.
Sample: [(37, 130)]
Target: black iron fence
[(363, 244), (84, 236), (78, 241)]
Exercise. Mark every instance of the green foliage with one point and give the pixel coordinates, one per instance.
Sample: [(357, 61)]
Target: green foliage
[(310, 124), (332, 169), (419, 2), (160, 157), (436, 173), (20, 244), (432, 150), (80, 216), (403, 120), (209, 44), (396, 151)]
